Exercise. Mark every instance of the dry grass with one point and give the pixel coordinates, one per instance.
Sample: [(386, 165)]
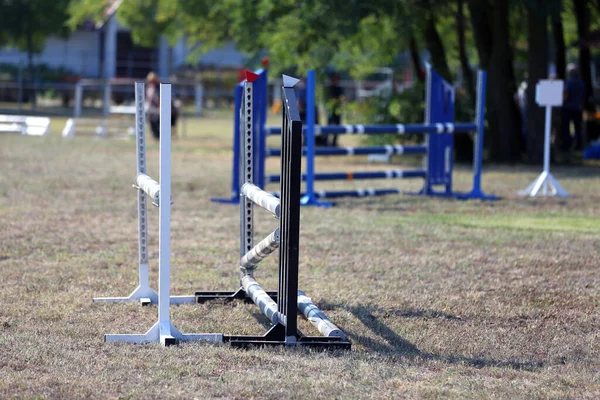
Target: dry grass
[(440, 298)]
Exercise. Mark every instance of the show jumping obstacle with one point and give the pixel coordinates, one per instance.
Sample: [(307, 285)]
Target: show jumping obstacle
[(146, 186), (439, 130), (281, 308)]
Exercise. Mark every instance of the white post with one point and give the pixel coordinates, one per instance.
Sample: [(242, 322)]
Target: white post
[(199, 98), (110, 48), (548, 93), (164, 252), (78, 100), (547, 146), (163, 331)]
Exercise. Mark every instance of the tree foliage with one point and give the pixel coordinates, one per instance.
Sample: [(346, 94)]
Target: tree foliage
[(359, 36)]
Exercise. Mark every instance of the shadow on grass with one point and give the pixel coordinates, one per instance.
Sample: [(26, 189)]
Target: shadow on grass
[(394, 343)]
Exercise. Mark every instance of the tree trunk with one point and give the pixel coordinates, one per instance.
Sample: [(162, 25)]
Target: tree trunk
[(462, 51), (507, 141), (480, 12), (537, 65), (582, 14), (435, 45), (416, 59), (559, 45), (464, 143)]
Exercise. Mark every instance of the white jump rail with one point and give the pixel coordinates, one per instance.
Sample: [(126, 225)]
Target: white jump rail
[(25, 125)]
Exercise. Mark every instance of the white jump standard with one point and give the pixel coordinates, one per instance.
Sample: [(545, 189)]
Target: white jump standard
[(548, 93), (146, 186), (281, 307), (163, 330)]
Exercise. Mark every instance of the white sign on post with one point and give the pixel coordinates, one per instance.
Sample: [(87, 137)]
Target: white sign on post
[(549, 93)]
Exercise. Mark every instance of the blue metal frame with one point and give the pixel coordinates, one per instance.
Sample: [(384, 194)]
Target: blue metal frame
[(439, 129), (477, 192), (440, 146), (260, 110)]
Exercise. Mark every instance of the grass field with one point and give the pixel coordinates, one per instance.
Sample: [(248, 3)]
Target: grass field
[(441, 298)]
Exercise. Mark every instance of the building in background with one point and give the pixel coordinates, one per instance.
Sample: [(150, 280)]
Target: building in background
[(106, 50)]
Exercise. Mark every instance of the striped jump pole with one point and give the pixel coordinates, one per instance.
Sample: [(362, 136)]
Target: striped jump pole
[(163, 330)]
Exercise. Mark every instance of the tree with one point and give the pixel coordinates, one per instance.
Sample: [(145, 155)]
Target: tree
[(537, 66), (582, 12), (26, 24), (490, 22)]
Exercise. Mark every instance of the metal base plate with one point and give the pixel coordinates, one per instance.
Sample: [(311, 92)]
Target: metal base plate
[(548, 186), (275, 336)]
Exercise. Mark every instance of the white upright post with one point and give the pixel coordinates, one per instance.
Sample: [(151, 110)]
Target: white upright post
[(143, 293), (199, 98), (78, 100), (164, 223), (549, 93), (164, 331)]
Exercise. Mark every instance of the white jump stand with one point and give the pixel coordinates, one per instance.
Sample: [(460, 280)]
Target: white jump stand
[(548, 93)]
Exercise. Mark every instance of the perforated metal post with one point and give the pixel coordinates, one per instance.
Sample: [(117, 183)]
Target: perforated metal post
[(143, 293), (246, 171)]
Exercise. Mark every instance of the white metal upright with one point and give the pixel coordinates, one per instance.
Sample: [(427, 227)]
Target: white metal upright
[(549, 93), (164, 331), (143, 293)]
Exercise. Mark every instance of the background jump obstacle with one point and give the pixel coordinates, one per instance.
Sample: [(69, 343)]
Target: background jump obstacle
[(439, 129), (146, 186), (24, 125), (280, 307)]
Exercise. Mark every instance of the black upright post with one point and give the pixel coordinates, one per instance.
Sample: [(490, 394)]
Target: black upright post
[(289, 224)]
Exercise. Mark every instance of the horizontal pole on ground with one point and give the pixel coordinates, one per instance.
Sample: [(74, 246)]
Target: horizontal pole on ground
[(357, 151), (260, 298), (265, 247), (351, 176), (261, 198), (461, 127), (149, 186), (316, 317)]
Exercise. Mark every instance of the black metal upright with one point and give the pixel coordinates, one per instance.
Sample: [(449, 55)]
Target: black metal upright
[(285, 331), (289, 224)]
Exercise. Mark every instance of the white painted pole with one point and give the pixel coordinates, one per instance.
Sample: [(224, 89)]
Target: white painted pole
[(199, 98), (261, 198), (78, 100), (164, 254), (547, 146)]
